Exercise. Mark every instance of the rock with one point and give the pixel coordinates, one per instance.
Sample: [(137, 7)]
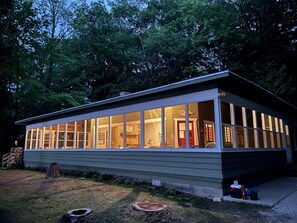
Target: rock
[(217, 199), (189, 205)]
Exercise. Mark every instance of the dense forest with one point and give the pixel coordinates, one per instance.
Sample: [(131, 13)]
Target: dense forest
[(57, 54)]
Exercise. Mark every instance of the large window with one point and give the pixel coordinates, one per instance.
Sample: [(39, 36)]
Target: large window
[(179, 126), (189, 125)]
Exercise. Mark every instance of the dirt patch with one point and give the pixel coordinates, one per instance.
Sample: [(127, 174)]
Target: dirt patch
[(26, 196)]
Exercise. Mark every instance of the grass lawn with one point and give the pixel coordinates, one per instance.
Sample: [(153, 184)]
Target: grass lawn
[(26, 196)]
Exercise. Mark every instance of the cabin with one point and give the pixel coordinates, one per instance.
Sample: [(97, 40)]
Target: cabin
[(198, 135)]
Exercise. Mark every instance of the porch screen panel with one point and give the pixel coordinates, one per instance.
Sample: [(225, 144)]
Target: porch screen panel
[(53, 138), (227, 128), (288, 135), (39, 138), (70, 135), (79, 139), (282, 135), (117, 134), (61, 136), (153, 128), (34, 137), (240, 136), (260, 128), (206, 124), (102, 132), (133, 130), (28, 137), (90, 133), (194, 136), (47, 137), (175, 126), (250, 128)]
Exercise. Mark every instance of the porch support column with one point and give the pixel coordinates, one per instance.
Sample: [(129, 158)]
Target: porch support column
[(187, 125), (218, 123), (95, 133), (142, 129), (163, 127), (288, 147)]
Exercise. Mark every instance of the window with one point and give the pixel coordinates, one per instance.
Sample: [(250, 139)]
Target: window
[(70, 135), (80, 135), (227, 128), (288, 135), (133, 130), (34, 137), (90, 133), (61, 136), (206, 123), (282, 134), (225, 112), (238, 115), (53, 138), (175, 126), (193, 126), (103, 131), (209, 132), (117, 133), (153, 128), (47, 137), (227, 134), (28, 139)]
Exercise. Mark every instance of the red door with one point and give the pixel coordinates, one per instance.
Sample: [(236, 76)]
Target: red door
[(181, 132)]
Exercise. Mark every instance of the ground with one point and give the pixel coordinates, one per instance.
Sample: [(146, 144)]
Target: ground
[(26, 196)]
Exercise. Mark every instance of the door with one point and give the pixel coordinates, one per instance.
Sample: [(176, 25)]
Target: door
[(181, 131)]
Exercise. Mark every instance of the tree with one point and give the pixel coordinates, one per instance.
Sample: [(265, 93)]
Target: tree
[(256, 39), (18, 29)]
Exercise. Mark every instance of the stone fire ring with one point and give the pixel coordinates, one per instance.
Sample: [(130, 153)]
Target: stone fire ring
[(79, 213), (149, 207)]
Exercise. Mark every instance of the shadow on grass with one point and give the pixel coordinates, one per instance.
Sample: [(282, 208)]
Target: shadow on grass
[(116, 212), (7, 216)]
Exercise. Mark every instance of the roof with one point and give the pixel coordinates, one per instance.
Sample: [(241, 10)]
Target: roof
[(222, 79)]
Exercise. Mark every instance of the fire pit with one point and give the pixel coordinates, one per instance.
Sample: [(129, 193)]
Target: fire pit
[(75, 215), (146, 206)]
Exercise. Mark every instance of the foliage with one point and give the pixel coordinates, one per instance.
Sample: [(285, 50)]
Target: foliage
[(57, 54)]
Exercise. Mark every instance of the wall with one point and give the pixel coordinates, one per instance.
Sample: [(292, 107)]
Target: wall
[(196, 173), (206, 174)]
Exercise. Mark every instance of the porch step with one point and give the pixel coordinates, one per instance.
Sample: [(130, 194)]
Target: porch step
[(292, 170)]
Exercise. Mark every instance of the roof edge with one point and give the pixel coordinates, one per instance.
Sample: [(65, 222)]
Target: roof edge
[(262, 89)]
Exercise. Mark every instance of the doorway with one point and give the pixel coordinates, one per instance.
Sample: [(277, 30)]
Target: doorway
[(181, 134)]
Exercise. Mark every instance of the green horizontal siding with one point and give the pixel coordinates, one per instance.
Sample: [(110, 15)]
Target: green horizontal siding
[(203, 169)]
